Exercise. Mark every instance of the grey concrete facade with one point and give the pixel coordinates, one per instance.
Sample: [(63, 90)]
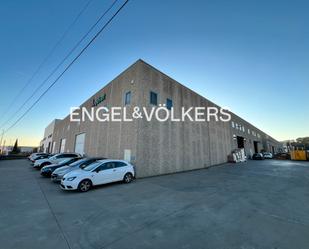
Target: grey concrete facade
[(158, 147), (46, 144), (242, 129)]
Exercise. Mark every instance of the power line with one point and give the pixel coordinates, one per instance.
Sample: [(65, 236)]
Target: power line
[(60, 64), (70, 64), (45, 59)]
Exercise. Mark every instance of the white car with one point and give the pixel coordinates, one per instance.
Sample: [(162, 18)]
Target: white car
[(97, 173), (34, 155), (38, 164), (267, 155)]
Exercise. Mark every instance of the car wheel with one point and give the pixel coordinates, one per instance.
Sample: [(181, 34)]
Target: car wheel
[(84, 185), (128, 177)]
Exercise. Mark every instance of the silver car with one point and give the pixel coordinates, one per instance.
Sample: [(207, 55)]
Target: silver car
[(80, 164)]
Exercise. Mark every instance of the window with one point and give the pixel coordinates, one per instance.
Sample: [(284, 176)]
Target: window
[(248, 131), (85, 163), (92, 166), (105, 166), (120, 164), (153, 98), (169, 104), (73, 155), (127, 99), (80, 143), (67, 156), (79, 162), (110, 165), (233, 124)]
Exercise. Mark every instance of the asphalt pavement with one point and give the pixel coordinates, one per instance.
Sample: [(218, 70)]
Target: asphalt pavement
[(258, 204)]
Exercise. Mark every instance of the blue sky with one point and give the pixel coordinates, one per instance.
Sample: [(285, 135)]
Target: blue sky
[(251, 56)]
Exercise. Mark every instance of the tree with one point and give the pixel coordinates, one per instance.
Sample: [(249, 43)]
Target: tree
[(301, 142), (15, 150)]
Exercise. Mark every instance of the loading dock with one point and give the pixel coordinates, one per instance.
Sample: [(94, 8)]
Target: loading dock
[(240, 142), (256, 146)]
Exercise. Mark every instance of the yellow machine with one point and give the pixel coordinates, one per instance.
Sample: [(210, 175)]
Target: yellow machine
[(299, 155)]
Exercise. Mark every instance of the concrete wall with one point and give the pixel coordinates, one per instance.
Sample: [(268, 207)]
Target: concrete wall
[(251, 135), (46, 143), (107, 139), (166, 147)]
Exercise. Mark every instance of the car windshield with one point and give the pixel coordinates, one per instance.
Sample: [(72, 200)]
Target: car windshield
[(53, 157), (92, 166), (65, 161), (77, 163)]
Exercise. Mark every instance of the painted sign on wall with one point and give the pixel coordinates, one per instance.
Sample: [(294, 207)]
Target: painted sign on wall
[(98, 100)]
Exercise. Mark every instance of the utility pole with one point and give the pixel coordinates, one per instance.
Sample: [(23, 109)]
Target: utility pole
[(1, 141), (3, 145)]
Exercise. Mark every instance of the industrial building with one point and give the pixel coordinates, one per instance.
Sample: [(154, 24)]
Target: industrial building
[(47, 141), (156, 147)]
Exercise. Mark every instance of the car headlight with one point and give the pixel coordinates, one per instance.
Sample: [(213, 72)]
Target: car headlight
[(71, 178)]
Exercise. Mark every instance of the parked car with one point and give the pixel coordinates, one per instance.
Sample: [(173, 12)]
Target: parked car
[(38, 164), (33, 155), (267, 155), (80, 164), (38, 157), (258, 156), (49, 169), (283, 156), (100, 172)]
